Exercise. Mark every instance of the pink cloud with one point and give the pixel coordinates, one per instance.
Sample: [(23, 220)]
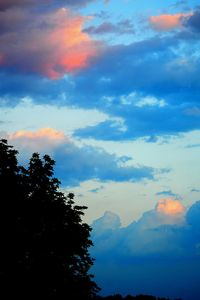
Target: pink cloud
[(167, 21), (50, 44)]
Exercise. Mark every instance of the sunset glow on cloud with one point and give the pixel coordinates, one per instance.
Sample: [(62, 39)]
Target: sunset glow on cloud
[(168, 21), (49, 133), (170, 207), (51, 44), (44, 139)]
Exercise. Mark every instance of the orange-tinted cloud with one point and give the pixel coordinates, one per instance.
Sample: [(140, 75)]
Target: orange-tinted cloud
[(49, 133), (44, 139), (50, 43), (167, 22), (170, 207)]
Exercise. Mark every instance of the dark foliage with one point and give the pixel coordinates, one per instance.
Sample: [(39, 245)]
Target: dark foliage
[(44, 243), (129, 297)]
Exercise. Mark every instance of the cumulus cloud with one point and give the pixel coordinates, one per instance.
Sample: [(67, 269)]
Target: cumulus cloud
[(193, 217), (75, 164), (109, 221), (170, 207), (168, 21), (49, 43), (149, 228), (163, 243)]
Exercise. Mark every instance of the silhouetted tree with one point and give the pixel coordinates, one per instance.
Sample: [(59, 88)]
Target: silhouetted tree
[(44, 243), (130, 297)]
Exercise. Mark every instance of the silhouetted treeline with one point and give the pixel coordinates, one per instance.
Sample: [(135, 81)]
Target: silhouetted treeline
[(43, 241), (129, 297)]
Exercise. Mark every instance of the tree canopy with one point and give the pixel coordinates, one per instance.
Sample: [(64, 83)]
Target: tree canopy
[(44, 242)]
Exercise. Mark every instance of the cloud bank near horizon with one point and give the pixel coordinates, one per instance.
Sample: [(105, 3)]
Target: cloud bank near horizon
[(162, 244)]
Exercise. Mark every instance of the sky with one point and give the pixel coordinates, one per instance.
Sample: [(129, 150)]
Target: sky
[(111, 90)]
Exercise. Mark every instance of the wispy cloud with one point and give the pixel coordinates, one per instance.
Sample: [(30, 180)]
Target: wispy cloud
[(193, 146), (122, 27), (195, 190), (168, 193)]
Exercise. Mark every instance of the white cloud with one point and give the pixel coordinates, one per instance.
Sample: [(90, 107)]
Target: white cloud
[(151, 101), (139, 101)]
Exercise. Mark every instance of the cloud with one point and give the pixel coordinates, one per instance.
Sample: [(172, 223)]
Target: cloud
[(75, 164), (49, 43), (151, 101), (192, 146), (5, 4), (97, 189), (167, 21), (167, 212), (122, 27), (145, 84), (109, 221), (195, 190), (150, 254), (168, 193), (193, 111), (193, 22), (151, 86), (46, 4), (147, 121), (43, 140), (192, 217), (170, 207), (41, 134), (180, 3)]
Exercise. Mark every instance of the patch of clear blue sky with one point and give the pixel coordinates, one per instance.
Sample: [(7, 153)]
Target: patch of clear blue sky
[(144, 7)]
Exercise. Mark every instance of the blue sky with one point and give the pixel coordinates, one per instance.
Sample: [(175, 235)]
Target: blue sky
[(111, 90)]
